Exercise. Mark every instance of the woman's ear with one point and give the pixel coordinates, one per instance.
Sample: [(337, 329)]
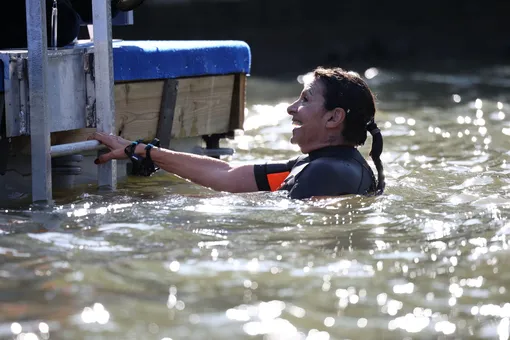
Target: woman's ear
[(335, 117)]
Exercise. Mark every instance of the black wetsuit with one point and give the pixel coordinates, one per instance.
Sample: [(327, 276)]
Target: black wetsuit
[(330, 171)]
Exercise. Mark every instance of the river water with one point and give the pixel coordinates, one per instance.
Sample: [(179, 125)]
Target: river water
[(162, 258)]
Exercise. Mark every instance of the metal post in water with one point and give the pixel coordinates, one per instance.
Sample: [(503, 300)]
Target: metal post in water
[(39, 113), (103, 70)]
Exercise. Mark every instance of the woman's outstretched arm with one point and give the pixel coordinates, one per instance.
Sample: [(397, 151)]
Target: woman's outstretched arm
[(206, 171)]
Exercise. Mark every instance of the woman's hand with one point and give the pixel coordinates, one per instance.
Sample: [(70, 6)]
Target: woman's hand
[(116, 144)]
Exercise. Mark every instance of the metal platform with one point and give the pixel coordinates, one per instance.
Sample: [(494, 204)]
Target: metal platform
[(54, 102), (186, 93)]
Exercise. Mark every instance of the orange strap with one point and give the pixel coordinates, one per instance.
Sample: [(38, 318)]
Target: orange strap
[(275, 180)]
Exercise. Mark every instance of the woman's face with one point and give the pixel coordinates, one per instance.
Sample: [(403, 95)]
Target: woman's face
[(308, 118)]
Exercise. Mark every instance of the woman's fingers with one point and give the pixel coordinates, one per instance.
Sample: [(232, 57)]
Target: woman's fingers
[(97, 135), (114, 154), (106, 157), (111, 141), (116, 145), (101, 137)]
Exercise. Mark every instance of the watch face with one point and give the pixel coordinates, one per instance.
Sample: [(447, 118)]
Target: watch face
[(128, 5)]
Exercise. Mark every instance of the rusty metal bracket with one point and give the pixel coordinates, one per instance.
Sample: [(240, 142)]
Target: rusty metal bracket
[(167, 111), (90, 109)]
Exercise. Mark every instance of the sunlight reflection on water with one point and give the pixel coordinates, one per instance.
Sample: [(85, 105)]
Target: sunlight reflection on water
[(165, 259)]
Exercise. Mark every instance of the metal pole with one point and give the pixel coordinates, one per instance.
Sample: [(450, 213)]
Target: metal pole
[(103, 70), (74, 148), (39, 113)]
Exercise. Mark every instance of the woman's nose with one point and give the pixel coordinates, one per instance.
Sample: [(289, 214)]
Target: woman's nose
[(291, 109)]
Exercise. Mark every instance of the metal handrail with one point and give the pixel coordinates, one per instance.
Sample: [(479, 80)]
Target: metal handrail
[(103, 70), (74, 148), (41, 149), (39, 115)]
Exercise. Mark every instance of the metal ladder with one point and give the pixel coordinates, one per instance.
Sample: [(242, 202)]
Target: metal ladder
[(41, 149)]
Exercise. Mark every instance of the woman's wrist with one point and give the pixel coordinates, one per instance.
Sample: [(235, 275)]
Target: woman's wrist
[(140, 149)]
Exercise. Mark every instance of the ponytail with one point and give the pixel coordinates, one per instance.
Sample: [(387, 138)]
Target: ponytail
[(375, 153)]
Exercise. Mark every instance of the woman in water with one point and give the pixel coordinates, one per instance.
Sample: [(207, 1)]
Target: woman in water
[(332, 116)]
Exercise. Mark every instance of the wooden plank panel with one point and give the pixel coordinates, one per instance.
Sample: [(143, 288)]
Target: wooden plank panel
[(203, 106), (137, 108)]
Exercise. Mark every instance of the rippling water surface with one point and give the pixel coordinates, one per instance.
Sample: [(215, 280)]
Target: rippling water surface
[(164, 259)]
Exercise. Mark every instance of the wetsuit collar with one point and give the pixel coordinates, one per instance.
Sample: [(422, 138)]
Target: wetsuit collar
[(332, 151)]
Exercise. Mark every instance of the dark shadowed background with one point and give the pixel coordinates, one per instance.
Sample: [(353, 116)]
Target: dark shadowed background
[(288, 36)]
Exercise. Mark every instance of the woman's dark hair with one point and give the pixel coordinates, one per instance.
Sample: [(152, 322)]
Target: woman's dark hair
[(350, 92)]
